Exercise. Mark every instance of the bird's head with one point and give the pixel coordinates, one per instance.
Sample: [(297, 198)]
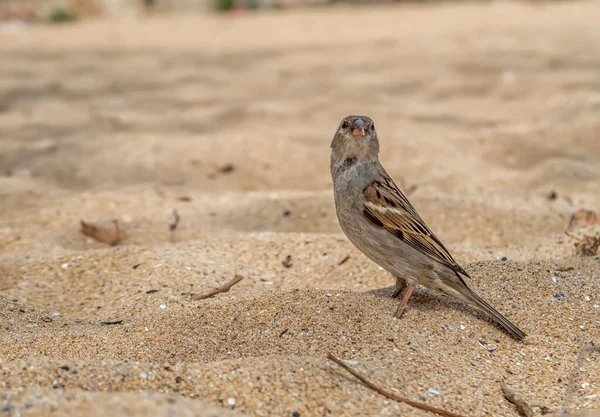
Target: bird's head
[(355, 138)]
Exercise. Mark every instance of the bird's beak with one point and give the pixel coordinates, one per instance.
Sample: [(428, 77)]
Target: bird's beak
[(358, 127), (359, 131)]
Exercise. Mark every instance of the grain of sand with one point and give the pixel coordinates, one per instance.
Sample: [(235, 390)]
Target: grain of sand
[(490, 109)]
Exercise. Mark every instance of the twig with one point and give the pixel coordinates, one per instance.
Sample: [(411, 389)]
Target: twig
[(223, 288), (340, 263), (111, 322), (343, 261), (389, 395), (522, 407)]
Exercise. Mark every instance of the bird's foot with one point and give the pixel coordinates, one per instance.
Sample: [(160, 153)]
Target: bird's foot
[(400, 311)]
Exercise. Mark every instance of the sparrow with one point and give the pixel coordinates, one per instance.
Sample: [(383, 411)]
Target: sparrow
[(380, 221)]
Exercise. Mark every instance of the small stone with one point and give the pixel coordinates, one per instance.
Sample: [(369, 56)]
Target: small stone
[(504, 259), (587, 298), (65, 266), (295, 414), (143, 375), (462, 327), (231, 401), (162, 306), (559, 297), (287, 262), (433, 391)]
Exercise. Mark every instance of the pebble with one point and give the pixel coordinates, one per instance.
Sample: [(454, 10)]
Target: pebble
[(231, 401), (162, 306), (433, 391)]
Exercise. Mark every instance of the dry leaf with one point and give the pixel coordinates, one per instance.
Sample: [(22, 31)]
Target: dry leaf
[(581, 219), (106, 231), (587, 246)]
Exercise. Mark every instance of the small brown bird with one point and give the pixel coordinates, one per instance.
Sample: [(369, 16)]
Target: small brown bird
[(380, 221)]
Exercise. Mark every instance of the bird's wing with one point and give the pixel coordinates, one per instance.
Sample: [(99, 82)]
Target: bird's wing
[(387, 207)]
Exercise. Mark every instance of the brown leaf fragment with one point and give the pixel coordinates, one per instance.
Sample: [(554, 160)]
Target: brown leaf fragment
[(587, 246), (523, 408), (106, 231), (581, 219), (587, 243)]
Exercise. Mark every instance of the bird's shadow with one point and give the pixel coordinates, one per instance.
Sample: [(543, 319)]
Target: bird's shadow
[(423, 299)]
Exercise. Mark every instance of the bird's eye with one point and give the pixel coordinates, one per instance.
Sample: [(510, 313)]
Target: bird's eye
[(373, 127), (344, 124)]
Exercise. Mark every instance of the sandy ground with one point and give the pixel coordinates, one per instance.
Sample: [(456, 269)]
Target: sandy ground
[(487, 109)]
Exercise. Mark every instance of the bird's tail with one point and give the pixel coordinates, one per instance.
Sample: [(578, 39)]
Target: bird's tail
[(493, 313)]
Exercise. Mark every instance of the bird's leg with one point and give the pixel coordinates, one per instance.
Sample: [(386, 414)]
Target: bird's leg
[(400, 287), (406, 292)]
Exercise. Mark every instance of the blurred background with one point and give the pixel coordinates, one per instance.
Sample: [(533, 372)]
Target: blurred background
[(476, 103), (473, 100)]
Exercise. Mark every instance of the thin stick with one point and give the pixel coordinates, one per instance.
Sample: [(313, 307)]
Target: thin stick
[(389, 395), (340, 263), (223, 288)]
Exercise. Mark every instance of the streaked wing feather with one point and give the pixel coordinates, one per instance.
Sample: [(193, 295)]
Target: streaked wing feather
[(387, 207)]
